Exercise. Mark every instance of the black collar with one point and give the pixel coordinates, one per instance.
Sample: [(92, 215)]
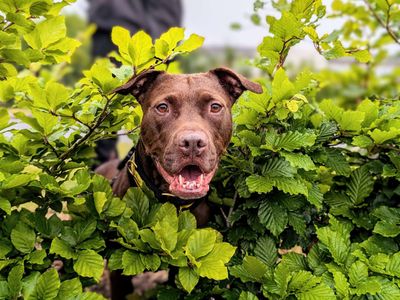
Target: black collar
[(136, 173)]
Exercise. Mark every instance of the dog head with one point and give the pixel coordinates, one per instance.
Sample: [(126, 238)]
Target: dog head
[(187, 123)]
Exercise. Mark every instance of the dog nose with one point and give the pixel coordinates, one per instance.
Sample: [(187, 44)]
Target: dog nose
[(192, 143)]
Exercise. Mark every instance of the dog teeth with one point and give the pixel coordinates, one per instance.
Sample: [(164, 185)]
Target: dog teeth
[(180, 179), (201, 179)]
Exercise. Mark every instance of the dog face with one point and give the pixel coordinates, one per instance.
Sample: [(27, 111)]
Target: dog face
[(187, 123)]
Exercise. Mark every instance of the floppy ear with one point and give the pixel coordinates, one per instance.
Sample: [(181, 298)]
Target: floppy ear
[(234, 83), (139, 84)]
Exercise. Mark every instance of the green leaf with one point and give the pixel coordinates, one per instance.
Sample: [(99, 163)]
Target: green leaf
[(247, 296), (277, 167), (172, 37), (251, 269), (337, 243), (337, 162), (14, 281), (393, 265), (200, 243), (69, 289), (363, 56), (89, 264), (282, 88), (387, 229), (47, 32), (192, 43), (341, 284), (351, 120), (360, 185), (100, 199), (259, 184), (358, 273), (289, 141), (23, 238), (186, 220), (291, 186), (286, 27), (266, 251), (46, 121), (321, 291), (139, 203), (188, 278), (132, 263), (62, 248), (299, 160), (47, 286), (213, 264), (141, 49), (381, 137), (273, 216), (302, 281), (5, 205)]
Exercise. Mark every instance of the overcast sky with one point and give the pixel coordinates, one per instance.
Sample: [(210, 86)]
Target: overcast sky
[(212, 19)]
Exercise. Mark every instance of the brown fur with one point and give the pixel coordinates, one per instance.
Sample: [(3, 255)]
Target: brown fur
[(189, 98)]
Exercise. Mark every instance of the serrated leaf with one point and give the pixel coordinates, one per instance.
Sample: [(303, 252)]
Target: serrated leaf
[(358, 273), (266, 251), (289, 141), (292, 186), (299, 160), (259, 184), (273, 216), (386, 229), (360, 185), (321, 291), (251, 269), (302, 281)]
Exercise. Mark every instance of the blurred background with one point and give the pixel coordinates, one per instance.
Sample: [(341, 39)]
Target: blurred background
[(230, 35)]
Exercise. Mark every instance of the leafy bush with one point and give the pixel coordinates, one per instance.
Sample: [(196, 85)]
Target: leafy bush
[(308, 193)]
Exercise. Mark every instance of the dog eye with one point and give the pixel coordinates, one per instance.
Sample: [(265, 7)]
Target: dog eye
[(162, 108), (215, 107)]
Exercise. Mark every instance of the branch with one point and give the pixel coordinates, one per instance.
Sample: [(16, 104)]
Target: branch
[(71, 117), (382, 23), (231, 209), (79, 142)]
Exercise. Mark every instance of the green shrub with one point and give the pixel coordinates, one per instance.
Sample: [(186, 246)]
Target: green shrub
[(308, 192)]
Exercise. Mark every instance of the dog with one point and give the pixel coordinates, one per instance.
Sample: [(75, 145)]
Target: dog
[(186, 127)]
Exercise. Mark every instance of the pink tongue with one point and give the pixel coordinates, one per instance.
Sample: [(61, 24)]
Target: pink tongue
[(191, 173)]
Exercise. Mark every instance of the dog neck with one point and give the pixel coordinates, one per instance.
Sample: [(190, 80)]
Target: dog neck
[(148, 170)]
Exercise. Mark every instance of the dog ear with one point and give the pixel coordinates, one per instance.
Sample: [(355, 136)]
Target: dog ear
[(139, 84), (234, 83)]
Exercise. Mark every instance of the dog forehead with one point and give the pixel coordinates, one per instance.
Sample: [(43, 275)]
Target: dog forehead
[(185, 84)]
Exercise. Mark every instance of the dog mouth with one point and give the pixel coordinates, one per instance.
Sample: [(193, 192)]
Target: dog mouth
[(189, 183)]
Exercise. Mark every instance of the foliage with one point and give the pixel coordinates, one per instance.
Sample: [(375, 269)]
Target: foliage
[(308, 192)]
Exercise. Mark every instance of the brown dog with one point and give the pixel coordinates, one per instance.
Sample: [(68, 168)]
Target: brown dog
[(186, 126)]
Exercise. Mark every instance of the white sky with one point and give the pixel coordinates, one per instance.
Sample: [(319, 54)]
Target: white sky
[(212, 19)]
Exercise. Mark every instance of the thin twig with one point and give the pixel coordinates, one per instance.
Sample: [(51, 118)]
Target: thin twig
[(382, 23), (231, 209), (102, 117)]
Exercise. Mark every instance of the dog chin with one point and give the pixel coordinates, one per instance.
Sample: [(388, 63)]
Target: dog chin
[(189, 183)]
